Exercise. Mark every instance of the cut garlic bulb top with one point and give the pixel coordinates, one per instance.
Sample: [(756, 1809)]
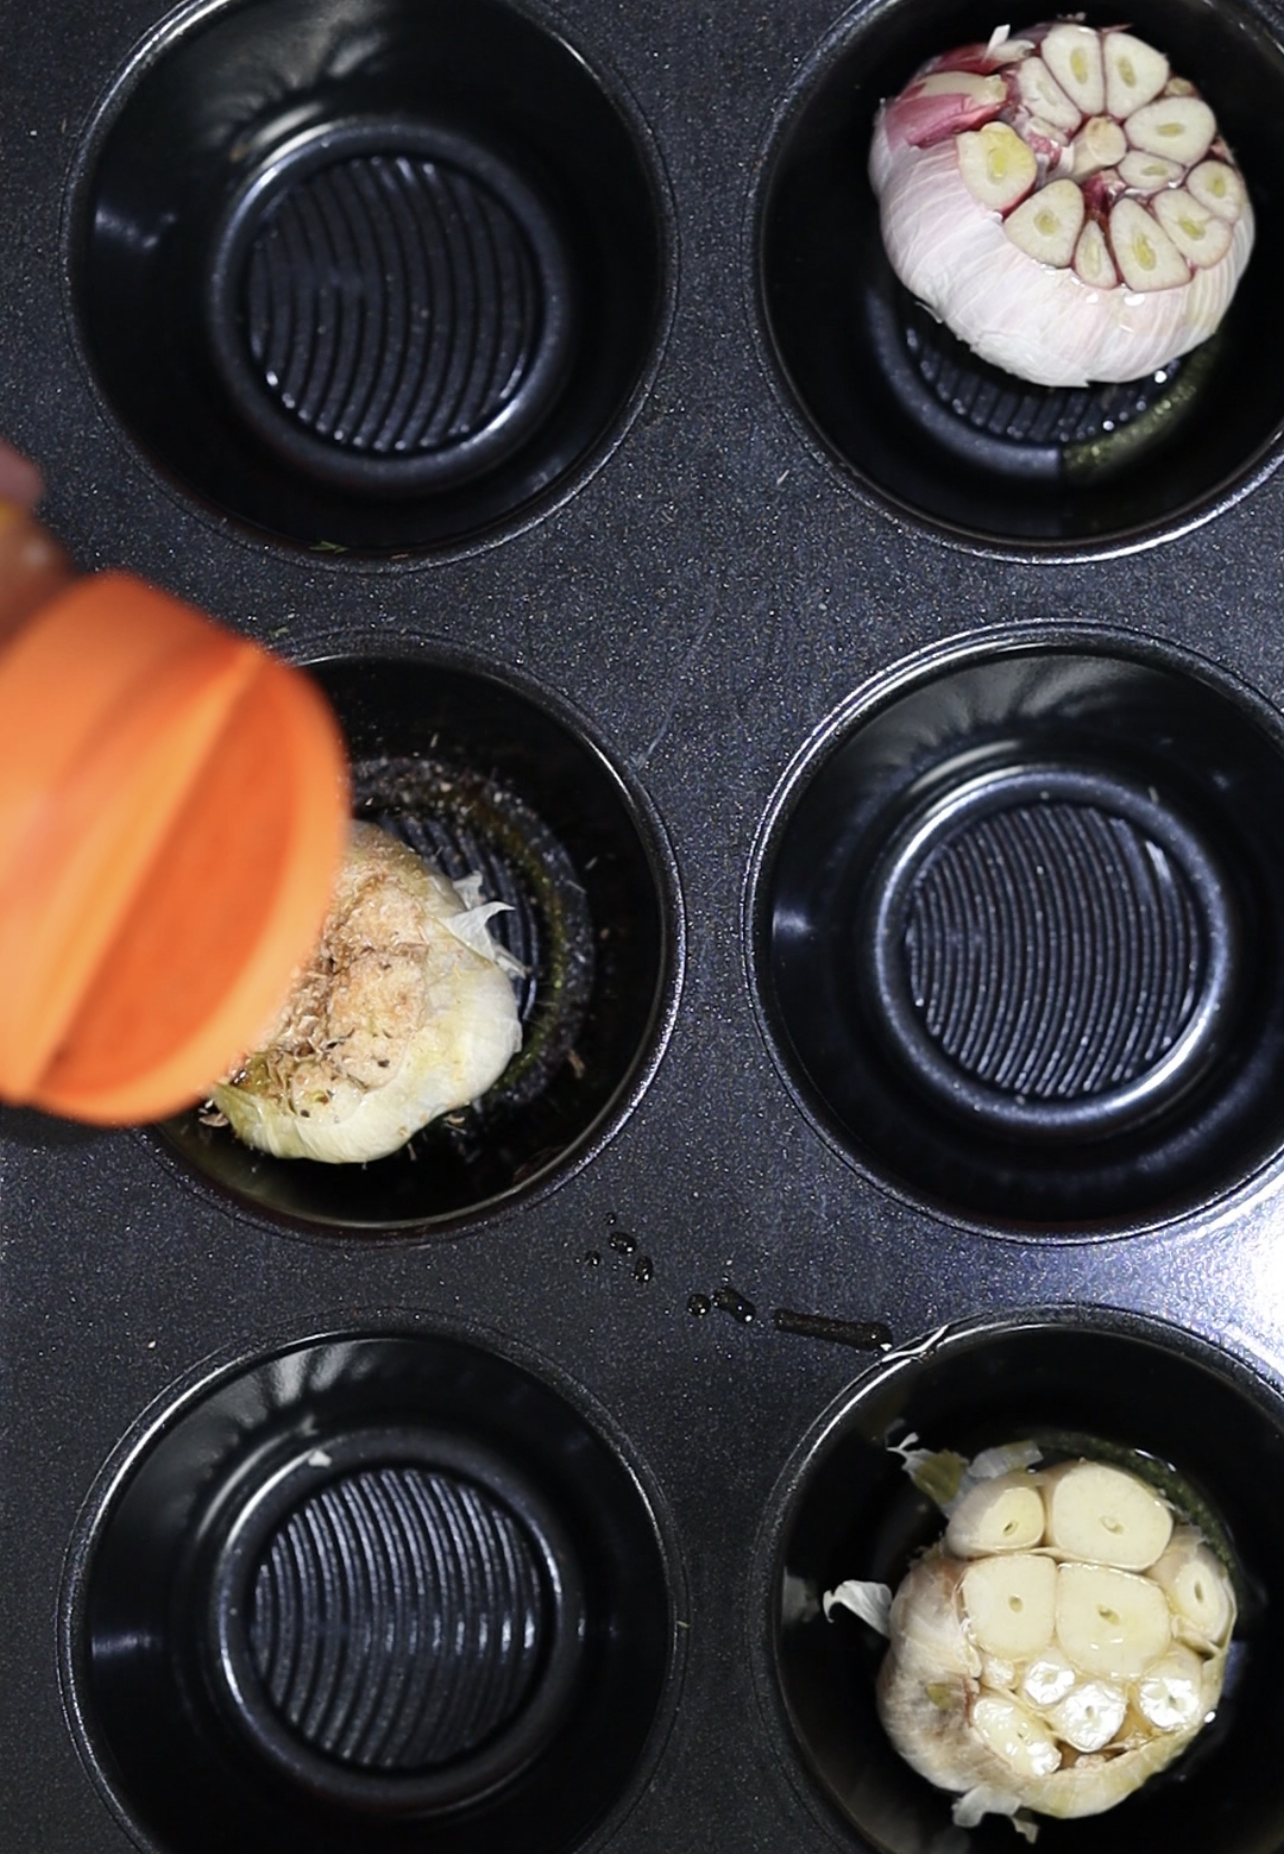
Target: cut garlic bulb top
[(1063, 203), (404, 1012), (1028, 1669)]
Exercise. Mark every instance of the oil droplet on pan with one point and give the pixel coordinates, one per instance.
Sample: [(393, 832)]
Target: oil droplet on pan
[(730, 1300), (623, 1243), (699, 1305)]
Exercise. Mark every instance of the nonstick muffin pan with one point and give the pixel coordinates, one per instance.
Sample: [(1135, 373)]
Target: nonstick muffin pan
[(882, 766)]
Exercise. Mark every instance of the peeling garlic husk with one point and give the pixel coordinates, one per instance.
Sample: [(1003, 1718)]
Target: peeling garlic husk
[(1028, 1672), (1025, 191), (405, 1012)]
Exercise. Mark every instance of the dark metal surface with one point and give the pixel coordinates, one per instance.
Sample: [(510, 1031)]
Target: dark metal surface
[(709, 589)]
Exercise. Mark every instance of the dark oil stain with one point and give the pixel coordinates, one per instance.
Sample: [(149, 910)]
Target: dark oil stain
[(864, 1335)]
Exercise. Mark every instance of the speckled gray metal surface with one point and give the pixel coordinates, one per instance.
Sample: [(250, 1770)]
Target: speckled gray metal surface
[(708, 596)]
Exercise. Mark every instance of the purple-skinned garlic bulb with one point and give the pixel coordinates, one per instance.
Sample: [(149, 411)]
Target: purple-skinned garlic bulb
[(1063, 203)]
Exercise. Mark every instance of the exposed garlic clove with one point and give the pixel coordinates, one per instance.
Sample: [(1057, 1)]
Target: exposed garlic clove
[(1005, 1514), (1015, 1735), (1147, 173), (1000, 1676), (1112, 1624), (1048, 1678), (1195, 1582), (969, 84), (1090, 1716), (1099, 143), (1135, 72), (1182, 128), (996, 166), (1010, 1603), (1106, 1516), (1092, 259), (1073, 55), (1171, 1696), (1044, 97), (1219, 188), (1201, 237), (1046, 226), (936, 107), (1147, 257)]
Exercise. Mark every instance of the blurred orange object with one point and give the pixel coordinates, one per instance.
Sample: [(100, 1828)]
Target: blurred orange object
[(173, 810)]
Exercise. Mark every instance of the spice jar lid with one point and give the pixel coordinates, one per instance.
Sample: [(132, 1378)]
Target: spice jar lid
[(173, 808)]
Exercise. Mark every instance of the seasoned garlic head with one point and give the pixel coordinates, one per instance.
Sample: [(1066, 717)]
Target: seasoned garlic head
[(1064, 1641), (1063, 202), (403, 1013)]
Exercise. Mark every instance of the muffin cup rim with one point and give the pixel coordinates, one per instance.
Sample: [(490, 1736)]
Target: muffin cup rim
[(366, 647), (875, 693), (218, 1369), (102, 112)]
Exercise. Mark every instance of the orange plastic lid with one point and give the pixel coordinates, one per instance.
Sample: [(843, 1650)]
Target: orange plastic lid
[(173, 809)]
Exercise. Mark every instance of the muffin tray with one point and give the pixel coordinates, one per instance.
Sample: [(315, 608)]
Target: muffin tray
[(882, 764)]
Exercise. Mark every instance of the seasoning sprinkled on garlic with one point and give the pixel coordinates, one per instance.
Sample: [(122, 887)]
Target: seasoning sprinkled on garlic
[(1063, 203), (404, 1012)]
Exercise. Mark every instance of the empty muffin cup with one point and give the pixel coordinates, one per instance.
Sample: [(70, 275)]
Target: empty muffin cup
[(909, 413), (385, 281), (1015, 918), (1081, 1382), (368, 1591), (484, 778)]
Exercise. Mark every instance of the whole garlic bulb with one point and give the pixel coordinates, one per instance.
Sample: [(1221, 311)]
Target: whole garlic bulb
[(1062, 1643), (403, 1013), (1063, 203)]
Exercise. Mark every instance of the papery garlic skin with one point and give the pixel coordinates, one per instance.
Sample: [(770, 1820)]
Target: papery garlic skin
[(404, 1013), (957, 225), (1034, 1679)]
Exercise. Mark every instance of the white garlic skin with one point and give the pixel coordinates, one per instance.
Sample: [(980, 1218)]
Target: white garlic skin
[(1040, 322), (404, 1013)]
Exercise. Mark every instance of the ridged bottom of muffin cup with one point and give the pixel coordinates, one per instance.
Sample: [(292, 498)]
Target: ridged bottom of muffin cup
[(397, 1619), (1066, 439), (390, 306), (366, 1591), (1014, 919)]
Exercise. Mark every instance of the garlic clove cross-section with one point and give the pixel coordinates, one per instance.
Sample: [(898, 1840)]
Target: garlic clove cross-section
[(1063, 203), (1004, 1514), (1106, 1516)]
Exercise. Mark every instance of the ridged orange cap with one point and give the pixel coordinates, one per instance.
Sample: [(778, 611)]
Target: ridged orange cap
[(173, 809)]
